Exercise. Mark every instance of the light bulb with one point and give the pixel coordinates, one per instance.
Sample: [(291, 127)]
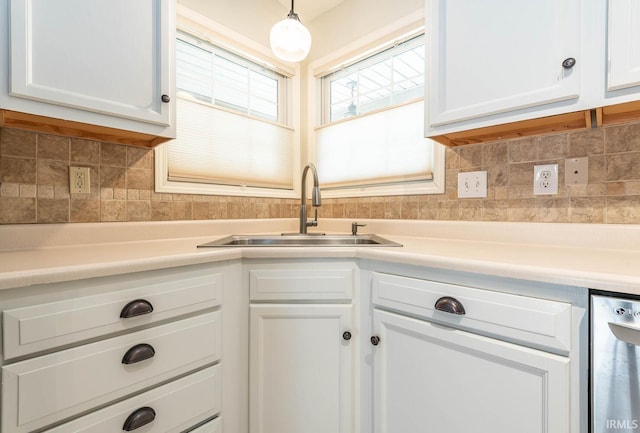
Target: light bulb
[(290, 40)]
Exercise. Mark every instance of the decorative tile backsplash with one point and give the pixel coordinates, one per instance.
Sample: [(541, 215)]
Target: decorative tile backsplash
[(34, 184)]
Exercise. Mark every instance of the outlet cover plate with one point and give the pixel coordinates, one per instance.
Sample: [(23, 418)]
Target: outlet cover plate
[(79, 182), (472, 184), (576, 171), (545, 179)]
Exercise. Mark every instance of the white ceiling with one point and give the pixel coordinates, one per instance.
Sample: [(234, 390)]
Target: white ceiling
[(308, 10)]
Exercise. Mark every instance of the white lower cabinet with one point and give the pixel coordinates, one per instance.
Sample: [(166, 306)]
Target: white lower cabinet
[(458, 353), (135, 352), (301, 355), (300, 369), (167, 409), (294, 346), (213, 426), (81, 378), (432, 378)]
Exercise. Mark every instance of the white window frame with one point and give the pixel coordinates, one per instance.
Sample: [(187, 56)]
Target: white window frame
[(400, 30), (202, 27)]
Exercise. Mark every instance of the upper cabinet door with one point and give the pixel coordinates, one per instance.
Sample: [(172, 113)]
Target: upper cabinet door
[(494, 56), (623, 70), (109, 57)]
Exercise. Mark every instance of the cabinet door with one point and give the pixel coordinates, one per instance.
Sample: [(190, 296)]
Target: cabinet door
[(106, 56), (433, 379), (494, 56), (300, 369), (624, 45)]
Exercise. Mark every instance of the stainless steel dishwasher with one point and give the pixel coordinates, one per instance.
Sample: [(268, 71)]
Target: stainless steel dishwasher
[(615, 363)]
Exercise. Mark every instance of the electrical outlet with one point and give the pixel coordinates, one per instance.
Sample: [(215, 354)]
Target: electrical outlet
[(472, 184), (576, 171), (79, 182), (545, 179)]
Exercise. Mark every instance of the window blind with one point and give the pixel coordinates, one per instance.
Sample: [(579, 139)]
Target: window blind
[(383, 147), (218, 146)]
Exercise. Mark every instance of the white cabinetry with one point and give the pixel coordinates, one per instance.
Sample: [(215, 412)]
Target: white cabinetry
[(301, 354), (451, 358), (180, 405), (88, 355), (497, 56), (103, 63), (510, 66), (623, 62), (430, 378)]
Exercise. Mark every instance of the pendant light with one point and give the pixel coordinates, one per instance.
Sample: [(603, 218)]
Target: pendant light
[(290, 40)]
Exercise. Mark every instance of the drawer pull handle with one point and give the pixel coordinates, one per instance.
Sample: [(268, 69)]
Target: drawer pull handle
[(375, 340), (450, 305), (346, 335), (138, 353), (138, 418), (136, 308)]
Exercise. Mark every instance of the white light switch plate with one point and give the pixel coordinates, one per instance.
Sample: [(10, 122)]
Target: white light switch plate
[(472, 184)]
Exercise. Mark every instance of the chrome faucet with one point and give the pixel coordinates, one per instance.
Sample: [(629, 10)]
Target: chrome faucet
[(316, 200)]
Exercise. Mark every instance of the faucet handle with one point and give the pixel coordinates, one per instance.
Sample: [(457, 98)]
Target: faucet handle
[(314, 221), (354, 227)]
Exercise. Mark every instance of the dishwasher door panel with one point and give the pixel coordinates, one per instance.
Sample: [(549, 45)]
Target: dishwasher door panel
[(615, 359)]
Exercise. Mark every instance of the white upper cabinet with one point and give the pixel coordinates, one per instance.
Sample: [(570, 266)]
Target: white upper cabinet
[(496, 62), (105, 62), (623, 62), (498, 56)]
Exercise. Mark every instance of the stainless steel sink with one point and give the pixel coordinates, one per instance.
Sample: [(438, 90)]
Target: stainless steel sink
[(364, 240)]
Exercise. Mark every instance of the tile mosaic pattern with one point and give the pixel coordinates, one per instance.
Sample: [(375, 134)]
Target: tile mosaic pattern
[(34, 172)]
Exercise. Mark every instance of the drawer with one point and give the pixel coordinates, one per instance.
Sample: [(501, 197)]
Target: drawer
[(321, 281), (177, 406), (50, 388), (213, 426), (49, 325), (536, 322)]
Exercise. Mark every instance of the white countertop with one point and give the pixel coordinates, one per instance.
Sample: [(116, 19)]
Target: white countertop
[(605, 257)]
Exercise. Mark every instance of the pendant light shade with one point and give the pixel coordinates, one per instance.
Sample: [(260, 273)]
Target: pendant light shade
[(290, 40)]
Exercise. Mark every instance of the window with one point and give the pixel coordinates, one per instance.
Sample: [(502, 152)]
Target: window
[(210, 74), (370, 140), (232, 134), (391, 77)]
